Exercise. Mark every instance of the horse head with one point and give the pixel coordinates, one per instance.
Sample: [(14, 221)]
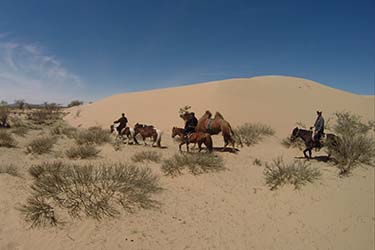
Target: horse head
[(295, 134), (174, 132)]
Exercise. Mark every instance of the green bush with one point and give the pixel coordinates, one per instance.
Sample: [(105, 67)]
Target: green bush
[(150, 156), (354, 144), (41, 145), (196, 163), (82, 152), (251, 134), (93, 191), (93, 135), (297, 173), (6, 139)]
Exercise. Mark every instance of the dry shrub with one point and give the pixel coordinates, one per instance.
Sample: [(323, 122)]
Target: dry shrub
[(196, 163), (75, 103), (20, 131), (6, 139), (82, 152), (93, 135), (297, 173), (9, 169), (150, 156), (354, 144), (44, 116), (257, 162), (41, 145), (252, 133), (63, 129), (4, 114), (93, 191)]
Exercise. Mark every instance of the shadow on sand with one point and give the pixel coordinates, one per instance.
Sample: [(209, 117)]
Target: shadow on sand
[(320, 158)]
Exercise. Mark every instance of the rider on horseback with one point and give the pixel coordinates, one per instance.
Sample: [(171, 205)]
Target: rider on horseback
[(123, 121), (318, 128), (191, 124)]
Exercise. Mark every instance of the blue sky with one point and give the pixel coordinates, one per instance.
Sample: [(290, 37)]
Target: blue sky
[(62, 50)]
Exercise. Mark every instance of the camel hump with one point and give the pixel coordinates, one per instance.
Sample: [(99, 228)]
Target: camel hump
[(218, 115)]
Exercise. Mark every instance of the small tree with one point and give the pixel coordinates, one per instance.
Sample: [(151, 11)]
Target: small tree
[(20, 103), (75, 103)]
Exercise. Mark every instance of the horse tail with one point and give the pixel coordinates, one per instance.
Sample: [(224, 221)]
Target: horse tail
[(158, 138), (209, 143)]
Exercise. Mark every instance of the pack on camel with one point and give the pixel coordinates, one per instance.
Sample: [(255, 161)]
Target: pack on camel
[(216, 125)]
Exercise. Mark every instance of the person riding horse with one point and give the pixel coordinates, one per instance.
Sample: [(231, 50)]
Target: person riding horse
[(123, 121), (318, 128), (191, 124)]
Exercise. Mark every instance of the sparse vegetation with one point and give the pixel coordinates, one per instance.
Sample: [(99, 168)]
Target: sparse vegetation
[(9, 169), (75, 103), (93, 191), (354, 145), (150, 156), (297, 173), (41, 145), (63, 129), (252, 133), (93, 135), (82, 152), (4, 114), (20, 131), (6, 139), (196, 164), (257, 162), (44, 116)]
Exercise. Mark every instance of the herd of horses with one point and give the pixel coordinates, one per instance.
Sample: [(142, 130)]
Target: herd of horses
[(207, 126)]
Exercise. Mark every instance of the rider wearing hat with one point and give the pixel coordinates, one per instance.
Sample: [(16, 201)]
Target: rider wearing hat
[(318, 128)]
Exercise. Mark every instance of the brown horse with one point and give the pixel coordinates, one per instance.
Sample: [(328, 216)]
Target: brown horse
[(216, 125), (195, 137), (147, 131)]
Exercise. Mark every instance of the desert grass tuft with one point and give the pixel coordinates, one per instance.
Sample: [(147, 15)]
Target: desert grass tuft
[(252, 133), (6, 139), (20, 131), (41, 145), (88, 190), (82, 152), (93, 135), (147, 156), (257, 162), (297, 173), (297, 143), (196, 164), (10, 170)]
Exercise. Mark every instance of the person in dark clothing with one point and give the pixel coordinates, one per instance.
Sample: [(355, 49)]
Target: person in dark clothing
[(123, 121), (318, 128), (190, 124)]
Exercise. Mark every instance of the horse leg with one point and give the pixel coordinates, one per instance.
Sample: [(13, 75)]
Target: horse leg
[(179, 146), (200, 146), (304, 152), (144, 140), (310, 152)]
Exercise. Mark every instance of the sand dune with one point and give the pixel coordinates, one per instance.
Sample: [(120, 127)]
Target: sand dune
[(278, 101), (228, 210)]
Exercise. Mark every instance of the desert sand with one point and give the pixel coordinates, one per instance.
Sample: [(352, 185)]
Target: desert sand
[(231, 209)]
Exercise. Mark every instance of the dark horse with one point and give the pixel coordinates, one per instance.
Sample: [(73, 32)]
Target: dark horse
[(306, 136), (147, 131), (195, 137)]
